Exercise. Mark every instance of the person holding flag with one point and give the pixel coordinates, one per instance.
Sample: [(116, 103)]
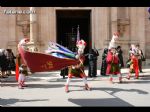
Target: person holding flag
[(112, 60), (78, 70)]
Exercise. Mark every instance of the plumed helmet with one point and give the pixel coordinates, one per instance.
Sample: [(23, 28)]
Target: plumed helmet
[(24, 41), (23, 65), (116, 34), (134, 52), (81, 42), (111, 45)]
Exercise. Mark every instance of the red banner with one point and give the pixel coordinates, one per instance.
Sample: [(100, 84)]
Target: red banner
[(40, 62)]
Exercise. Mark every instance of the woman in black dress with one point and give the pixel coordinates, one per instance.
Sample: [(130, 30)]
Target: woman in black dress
[(3, 63), (120, 56), (104, 64)]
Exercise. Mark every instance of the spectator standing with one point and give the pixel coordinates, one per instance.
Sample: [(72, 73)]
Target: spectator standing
[(120, 52), (93, 54), (104, 63), (140, 57)]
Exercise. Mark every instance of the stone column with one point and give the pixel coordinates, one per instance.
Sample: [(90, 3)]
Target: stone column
[(33, 25), (33, 31), (93, 26), (114, 24)]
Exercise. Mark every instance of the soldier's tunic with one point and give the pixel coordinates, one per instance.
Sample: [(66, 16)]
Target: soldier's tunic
[(134, 65), (112, 64), (77, 70)]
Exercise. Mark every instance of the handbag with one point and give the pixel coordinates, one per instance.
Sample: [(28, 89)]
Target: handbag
[(128, 63), (143, 58)]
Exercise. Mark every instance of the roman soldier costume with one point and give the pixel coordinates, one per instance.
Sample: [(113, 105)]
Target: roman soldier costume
[(133, 63), (78, 70), (113, 60)]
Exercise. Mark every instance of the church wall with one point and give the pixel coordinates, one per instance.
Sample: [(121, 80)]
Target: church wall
[(134, 26)]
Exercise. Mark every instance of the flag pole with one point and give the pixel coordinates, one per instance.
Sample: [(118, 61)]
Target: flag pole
[(78, 34)]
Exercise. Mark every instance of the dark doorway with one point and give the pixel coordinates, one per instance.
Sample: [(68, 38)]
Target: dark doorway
[(67, 23)]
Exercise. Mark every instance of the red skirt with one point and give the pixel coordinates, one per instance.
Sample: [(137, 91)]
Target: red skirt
[(113, 69)]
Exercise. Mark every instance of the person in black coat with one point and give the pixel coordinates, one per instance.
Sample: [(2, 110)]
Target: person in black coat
[(140, 55), (96, 54), (120, 56), (64, 72), (92, 56), (10, 61), (104, 64), (3, 63)]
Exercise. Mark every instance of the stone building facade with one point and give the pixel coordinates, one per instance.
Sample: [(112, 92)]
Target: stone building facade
[(43, 24)]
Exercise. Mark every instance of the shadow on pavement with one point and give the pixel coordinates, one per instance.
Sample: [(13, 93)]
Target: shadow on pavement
[(12, 79), (115, 90), (139, 81), (6, 102), (144, 77), (73, 80), (64, 80), (33, 79), (30, 86), (45, 74), (107, 102), (9, 85), (71, 88)]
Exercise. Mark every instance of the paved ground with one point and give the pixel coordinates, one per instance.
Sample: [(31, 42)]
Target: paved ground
[(47, 89)]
